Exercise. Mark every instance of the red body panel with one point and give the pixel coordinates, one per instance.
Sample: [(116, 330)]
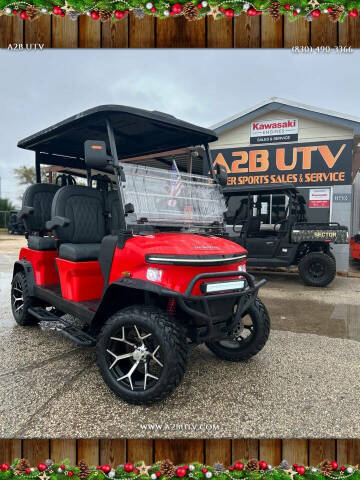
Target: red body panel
[(43, 263), (80, 281), (354, 249), (132, 257)]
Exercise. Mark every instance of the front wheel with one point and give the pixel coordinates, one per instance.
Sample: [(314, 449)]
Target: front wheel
[(247, 338), (141, 354), (21, 300), (317, 269)]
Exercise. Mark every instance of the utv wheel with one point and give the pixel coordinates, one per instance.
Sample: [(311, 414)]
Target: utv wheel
[(317, 269), (21, 301), (248, 338), (141, 354)]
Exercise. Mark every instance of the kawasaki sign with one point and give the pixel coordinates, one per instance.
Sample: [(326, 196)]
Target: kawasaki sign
[(274, 131), (303, 164)]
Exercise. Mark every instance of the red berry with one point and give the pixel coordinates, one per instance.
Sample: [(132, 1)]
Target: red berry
[(176, 8), (204, 470), (181, 472), (63, 467), (136, 470), (4, 467), (334, 465), (119, 14), (262, 465), (71, 473), (106, 468), (62, 14), (23, 15), (342, 468), (28, 470), (186, 466), (301, 470), (128, 467), (126, 11), (222, 9), (295, 465), (353, 13), (295, 13), (239, 466), (330, 9), (95, 15), (229, 13), (153, 10), (251, 12), (42, 467), (98, 467), (172, 13), (158, 474), (199, 6), (57, 10), (259, 12), (287, 6), (231, 469), (316, 13), (15, 12)]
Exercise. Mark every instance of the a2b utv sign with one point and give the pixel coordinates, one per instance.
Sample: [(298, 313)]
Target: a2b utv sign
[(302, 164), (274, 131)]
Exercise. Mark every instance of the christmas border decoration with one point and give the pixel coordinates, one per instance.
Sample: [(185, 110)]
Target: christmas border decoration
[(165, 470), (112, 10)]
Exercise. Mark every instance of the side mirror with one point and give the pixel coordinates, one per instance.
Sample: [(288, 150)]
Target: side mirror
[(221, 176), (95, 154)]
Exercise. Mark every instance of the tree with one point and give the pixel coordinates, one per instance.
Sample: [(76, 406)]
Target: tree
[(27, 175), (6, 205)]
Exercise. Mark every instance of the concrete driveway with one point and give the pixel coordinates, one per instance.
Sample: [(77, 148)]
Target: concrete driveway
[(305, 383)]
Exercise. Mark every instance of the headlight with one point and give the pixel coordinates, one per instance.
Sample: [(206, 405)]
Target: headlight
[(224, 286), (154, 274), (242, 268)]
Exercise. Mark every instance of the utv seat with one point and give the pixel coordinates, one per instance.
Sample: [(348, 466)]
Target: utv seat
[(78, 219), (35, 212)]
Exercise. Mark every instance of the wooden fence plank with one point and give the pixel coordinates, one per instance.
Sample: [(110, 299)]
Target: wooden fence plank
[(141, 31), (180, 450), (180, 33), (219, 32), (270, 451), (60, 449), (140, 450), (324, 32), (11, 30), (113, 452), (296, 33), (39, 31), (88, 450), (218, 451), (9, 450), (348, 452), (64, 32), (295, 451), (35, 450), (89, 32), (349, 32), (115, 34), (271, 32), (244, 449), (320, 450), (246, 31)]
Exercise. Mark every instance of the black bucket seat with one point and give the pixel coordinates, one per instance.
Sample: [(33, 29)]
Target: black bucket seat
[(78, 220), (35, 212)]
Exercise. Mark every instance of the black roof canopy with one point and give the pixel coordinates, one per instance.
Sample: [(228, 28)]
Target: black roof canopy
[(260, 189), (137, 132)]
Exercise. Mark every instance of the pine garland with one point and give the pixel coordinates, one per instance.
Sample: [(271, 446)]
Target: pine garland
[(117, 9), (242, 470)]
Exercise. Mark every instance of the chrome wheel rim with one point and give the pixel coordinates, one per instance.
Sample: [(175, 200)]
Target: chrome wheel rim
[(17, 297), (134, 358)]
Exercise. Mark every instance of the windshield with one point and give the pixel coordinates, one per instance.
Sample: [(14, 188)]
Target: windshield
[(170, 197)]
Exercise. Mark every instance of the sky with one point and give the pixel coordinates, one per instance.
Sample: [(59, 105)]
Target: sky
[(40, 88)]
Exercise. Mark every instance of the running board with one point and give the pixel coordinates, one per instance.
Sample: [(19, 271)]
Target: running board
[(66, 328)]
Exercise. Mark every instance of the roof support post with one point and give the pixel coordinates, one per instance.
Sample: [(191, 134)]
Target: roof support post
[(37, 167), (210, 162)]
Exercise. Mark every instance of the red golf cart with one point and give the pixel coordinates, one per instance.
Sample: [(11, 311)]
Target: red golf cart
[(137, 254)]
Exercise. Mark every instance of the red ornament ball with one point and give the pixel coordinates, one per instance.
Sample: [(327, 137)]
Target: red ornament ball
[(119, 14), (176, 8), (316, 13), (158, 474), (153, 10), (28, 470), (4, 467), (63, 467), (57, 10), (106, 468), (15, 12), (262, 465), (181, 472), (231, 469), (301, 470), (287, 6), (42, 467), (251, 12), (71, 473), (204, 470), (229, 13), (353, 13), (95, 15), (295, 13), (199, 6), (334, 465), (23, 15), (239, 466), (128, 467), (342, 468)]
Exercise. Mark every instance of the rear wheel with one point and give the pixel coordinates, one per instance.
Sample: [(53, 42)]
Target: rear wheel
[(247, 338), (141, 354), (317, 269), (21, 300)]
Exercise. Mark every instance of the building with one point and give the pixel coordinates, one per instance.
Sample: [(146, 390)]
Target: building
[(280, 141)]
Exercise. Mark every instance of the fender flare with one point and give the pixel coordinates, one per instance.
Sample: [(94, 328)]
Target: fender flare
[(26, 267)]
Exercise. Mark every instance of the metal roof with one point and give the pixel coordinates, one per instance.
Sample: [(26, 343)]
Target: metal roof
[(137, 132), (292, 108)]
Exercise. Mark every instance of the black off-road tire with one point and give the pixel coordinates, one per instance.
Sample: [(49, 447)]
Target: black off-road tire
[(327, 265), (261, 320), (22, 315), (172, 341)]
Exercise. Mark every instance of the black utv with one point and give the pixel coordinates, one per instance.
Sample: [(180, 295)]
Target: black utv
[(16, 226), (287, 239)]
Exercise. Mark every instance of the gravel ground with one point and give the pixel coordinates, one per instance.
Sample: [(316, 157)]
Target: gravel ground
[(304, 384)]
